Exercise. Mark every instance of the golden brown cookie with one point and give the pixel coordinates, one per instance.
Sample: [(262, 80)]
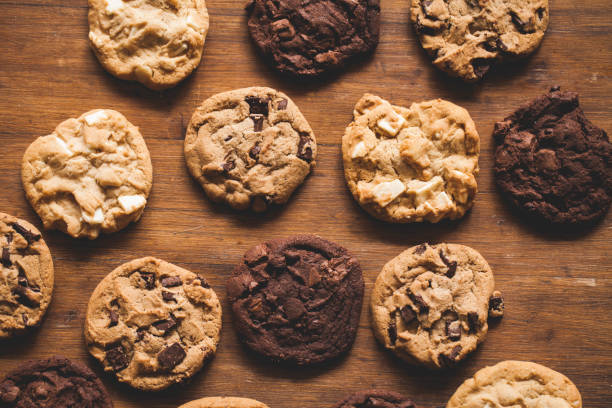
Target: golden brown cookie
[(224, 402)]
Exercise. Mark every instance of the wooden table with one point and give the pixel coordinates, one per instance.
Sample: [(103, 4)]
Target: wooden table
[(557, 285)]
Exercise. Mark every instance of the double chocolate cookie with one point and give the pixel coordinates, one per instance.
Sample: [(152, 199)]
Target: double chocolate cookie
[(376, 399), (552, 162), (26, 276), (152, 323), (53, 383), (297, 300), (307, 38)]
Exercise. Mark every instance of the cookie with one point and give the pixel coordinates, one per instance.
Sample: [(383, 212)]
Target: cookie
[(466, 37), (375, 399), (152, 323), (91, 175), (249, 148), (430, 304), (297, 300), (224, 402), (157, 43), (26, 276), (552, 162), (55, 382), (411, 164), (516, 384), (306, 39)]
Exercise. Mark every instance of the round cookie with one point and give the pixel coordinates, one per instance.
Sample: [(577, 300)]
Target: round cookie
[(516, 384), (26, 276), (53, 382), (552, 162), (306, 39), (92, 174), (297, 300), (411, 164), (224, 402), (152, 323), (249, 147), (430, 304), (465, 37), (155, 43), (375, 399)]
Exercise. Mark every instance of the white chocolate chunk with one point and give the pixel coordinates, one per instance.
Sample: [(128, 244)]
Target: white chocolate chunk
[(98, 217), (393, 125), (359, 150), (387, 191), (131, 203), (62, 146), (191, 23), (442, 200), (113, 5), (95, 117)]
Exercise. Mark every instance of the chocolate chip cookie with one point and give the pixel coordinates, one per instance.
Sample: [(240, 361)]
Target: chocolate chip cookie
[(552, 162), (91, 175), (224, 402), (157, 43), (466, 37), (297, 300), (430, 304), (375, 399), (55, 382), (249, 148), (152, 323), (411, 164), (516, 384), (308, 38), (26, 276)]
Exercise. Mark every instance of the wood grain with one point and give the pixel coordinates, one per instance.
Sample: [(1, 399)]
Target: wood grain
[(557, 284)]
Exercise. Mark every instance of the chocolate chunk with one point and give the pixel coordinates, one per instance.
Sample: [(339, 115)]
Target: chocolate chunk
[(117, 358), (9, 237), (171, 281), (392, 330), (6, 257), (496, 305), (419, 302), (448, 360), (452, 265), (258, 106), (407, 314), (114, 318), (229, 166), (149, 279), (24, 297), (282, 104), (228, 138), (481, 66), (420, 249), (167, 296), (453, 330), (171, 356), (258, 121), (304, 151), (254, 152), (140, 332), (165, 325), (524, 27), (203, 282), (28, 235), (473, 322)]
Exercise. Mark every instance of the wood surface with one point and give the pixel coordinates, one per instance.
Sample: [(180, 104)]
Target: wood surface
[(557, 284)]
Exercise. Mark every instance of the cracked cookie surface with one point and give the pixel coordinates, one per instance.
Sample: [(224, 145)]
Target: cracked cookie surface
[(466, 37), (516, 384), (26, 276), (224, 402), (155, 42), (375, 399), (55, 382), (91, 175), (552, 162), (411, 164), (297, 300), (307, 38), (249, 148), (152, 323), (431, 303)]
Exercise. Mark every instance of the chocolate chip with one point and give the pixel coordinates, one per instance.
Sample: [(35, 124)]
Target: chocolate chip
[(229, 166), (28, 235), (171, 281), (165, 325), (140, 332), (282, 104), (114, 318), (420, 249), (407, 314), (117, 358), (392, 330), (453, 330), (258, 106), (473, 322), (9, 237), (541, 12), (257, 122), (167, 296), (304, 152), (254, 152), (228, 138), (171, 356), (447, 360), (451, 265), (481, 66), (6, 257), (149, 279), (419, 302), (496, 305), (522, 26), (203, 282), (23, 296)]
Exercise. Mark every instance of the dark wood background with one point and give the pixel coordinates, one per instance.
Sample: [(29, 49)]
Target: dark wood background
[(557, 284)]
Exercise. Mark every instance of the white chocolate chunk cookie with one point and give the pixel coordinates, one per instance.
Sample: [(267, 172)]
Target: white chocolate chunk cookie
[(516, 384), (152, 323), (249, 148), (26, 276), (431, 303), (410, 165), (224, 402), (155, 42), (92, 174)]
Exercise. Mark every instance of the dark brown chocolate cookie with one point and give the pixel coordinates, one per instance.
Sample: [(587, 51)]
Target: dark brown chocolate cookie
[(53, 383), (375, 399), (552, 162), (297, 300), (307, 38)]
